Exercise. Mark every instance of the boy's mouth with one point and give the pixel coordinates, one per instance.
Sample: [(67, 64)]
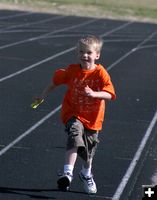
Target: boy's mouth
[(85, 60)]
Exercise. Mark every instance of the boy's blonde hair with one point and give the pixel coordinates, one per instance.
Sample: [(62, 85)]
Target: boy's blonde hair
[(91, 40)]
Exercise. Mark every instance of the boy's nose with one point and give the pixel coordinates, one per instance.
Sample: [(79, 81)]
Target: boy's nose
[(85, 55)]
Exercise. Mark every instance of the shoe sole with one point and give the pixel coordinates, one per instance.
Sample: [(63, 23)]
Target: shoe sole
[(63, 184)]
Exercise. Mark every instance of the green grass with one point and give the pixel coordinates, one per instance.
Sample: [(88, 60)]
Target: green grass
[(132, 8)]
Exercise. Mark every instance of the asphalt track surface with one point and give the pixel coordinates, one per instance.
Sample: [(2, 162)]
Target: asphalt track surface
[(32, 142)]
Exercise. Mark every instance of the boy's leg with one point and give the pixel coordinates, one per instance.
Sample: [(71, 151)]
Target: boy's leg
[(74, 128), (91, 140), (71, 156), (87, 167), (87, 178), (70, 159)]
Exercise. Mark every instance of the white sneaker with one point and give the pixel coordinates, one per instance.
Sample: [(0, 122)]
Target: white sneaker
[(89, 184), (64, 181)]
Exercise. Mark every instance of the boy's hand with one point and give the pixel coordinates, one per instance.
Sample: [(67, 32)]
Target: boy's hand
[(97, 94), (89, 92), (40, 99), (37, 102)]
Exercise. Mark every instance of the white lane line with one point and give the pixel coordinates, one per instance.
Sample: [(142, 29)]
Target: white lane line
[(139, 46), (148, 46), (154, 177), (55, 56), (37, 30), (135, 160), (147, 39), (3, 30), (126, 177), (117, 29), (16, 147), (36, 125), (16, 15), (36, 64), (120, 59), (47, 34)]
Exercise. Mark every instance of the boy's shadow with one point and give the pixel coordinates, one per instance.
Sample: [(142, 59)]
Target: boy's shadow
[(32, 193)]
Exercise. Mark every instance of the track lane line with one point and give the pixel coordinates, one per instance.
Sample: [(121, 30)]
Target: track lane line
[(126, 177), (139, 46), (128, 174), (57, 55), (47, 34), (3, 30), (16, 15), (36, 64), (30, 130)]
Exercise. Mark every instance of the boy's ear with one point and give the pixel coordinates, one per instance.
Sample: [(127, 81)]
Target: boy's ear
[(98, 56)]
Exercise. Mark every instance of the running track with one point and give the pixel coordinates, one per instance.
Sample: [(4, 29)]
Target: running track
[(32, 47)]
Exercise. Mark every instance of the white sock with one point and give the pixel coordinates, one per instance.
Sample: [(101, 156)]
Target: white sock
[(68, 168), (86, 171)]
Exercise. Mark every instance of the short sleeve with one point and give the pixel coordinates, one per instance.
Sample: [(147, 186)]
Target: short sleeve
[(107, 84), (60, 77)]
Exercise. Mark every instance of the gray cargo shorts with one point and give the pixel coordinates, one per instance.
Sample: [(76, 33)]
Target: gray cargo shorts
[(78, 136)]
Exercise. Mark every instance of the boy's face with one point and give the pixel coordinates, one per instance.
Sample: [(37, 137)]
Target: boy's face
[(87, 56)]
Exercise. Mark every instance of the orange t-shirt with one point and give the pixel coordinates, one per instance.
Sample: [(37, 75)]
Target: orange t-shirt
[(90, 111)]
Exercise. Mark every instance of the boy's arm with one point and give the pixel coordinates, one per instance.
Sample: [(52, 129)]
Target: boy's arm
[(97, 94), (46, 91)]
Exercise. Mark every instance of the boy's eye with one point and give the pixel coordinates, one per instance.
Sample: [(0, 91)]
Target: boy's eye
[(88, 52)]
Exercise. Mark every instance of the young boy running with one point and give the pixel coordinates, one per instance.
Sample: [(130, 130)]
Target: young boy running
[(88, 87)]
